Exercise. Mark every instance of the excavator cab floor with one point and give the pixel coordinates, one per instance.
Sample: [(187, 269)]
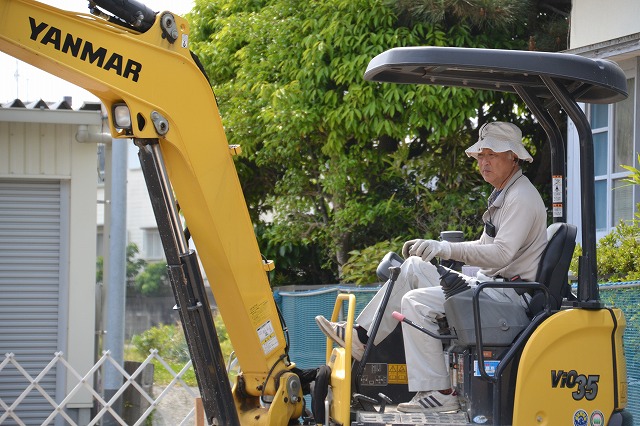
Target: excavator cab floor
[(396, 418)]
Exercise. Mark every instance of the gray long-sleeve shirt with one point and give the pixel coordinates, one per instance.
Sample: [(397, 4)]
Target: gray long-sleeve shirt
[(520, 219)]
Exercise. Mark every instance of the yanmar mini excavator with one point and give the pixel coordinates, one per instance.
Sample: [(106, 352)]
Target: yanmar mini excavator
[(562, 365)]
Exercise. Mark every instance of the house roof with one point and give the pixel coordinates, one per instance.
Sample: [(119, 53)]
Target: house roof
[(617, 49), (60, 112)]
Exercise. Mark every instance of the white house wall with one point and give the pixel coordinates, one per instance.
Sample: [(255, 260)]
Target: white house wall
[(595, 21), (139, 211)]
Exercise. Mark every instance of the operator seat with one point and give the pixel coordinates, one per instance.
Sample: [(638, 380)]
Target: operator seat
[(501, 322), (553, 268)]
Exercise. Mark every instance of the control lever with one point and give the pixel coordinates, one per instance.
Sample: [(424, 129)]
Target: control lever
[(452, 283), (401, 318)]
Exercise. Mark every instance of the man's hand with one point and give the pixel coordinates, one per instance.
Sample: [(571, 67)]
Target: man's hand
[(426, 249), (407, 246)]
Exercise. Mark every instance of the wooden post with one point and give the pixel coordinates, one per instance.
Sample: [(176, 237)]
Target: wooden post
[(200, 413)]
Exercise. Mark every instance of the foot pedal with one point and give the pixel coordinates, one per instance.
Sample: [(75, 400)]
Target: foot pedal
[(364, 403)]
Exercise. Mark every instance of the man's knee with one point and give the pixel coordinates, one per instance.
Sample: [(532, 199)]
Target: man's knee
[(426, 300), (417, 273), (414, 299)]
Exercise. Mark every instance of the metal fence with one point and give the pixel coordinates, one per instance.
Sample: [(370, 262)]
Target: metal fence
[(12, 414), (626, 296)]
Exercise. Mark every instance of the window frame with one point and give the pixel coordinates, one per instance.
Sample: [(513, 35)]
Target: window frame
[(152, 244), (612, 176)]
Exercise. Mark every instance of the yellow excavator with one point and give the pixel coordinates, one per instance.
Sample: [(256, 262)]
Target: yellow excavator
[(563, 365)]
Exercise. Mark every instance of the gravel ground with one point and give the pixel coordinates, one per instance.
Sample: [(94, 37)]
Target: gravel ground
[(174, 407)]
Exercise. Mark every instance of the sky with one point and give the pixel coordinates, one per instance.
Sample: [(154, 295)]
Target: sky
[(33, 84)]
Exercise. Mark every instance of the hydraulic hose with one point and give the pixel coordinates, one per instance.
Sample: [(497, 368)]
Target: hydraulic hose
[(132, 12)]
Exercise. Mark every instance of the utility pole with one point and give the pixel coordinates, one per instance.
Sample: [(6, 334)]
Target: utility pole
[(116, 277)]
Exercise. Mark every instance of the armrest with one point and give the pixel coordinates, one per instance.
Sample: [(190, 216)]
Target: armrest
[(525, 334)]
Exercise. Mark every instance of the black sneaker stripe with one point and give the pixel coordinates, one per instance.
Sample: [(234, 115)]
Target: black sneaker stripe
[(437, 403), (430, 402), (426, 403)]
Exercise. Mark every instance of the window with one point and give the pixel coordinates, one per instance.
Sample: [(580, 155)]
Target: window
[(152, 245), (613, 145)]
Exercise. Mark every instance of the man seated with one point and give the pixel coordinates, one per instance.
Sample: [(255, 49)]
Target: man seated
[(511, 245)]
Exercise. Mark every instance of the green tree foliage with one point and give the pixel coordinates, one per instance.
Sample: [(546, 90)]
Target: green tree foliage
[(363, 264), (618, 254), (543, 23), (148, 279), (153, 280), (133, 267), (481, 14), (296, 263), (634, 177), (338, 163), (99, 269), (134, 263), (170, 342)]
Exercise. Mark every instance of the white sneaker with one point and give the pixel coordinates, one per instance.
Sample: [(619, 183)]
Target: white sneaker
[(430, 402), (336, 331)]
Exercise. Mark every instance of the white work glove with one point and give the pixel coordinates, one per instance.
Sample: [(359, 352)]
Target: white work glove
[(427, 249)]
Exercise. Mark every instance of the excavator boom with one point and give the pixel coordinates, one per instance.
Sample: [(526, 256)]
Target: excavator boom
[(145, 69)]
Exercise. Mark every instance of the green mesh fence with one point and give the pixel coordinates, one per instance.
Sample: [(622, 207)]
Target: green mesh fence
[(626, 296), (300, 305), (299, 309)]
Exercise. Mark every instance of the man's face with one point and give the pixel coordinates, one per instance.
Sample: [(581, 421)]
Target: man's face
[(496, 167)]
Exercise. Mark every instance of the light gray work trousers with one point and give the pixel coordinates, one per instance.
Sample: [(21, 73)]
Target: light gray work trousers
[(418, 296)]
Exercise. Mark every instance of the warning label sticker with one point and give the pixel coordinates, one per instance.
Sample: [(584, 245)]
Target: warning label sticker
[(267, 336), (557, 210), (397, 374), (259, 312), (489, 368), (556, 185)]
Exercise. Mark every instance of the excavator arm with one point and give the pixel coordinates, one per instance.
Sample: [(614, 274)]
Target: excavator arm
[(154, 92)]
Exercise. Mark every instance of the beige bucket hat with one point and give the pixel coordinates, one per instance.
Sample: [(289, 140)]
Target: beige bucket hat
[(500, 137)]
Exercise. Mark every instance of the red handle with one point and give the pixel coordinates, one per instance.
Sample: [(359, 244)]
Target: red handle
[(398, 316)]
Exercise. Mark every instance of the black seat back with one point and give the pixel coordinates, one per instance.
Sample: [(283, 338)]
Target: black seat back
[(553, 268)]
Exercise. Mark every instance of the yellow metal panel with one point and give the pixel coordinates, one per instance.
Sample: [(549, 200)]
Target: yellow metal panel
[(567, 369), (340, 360)]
